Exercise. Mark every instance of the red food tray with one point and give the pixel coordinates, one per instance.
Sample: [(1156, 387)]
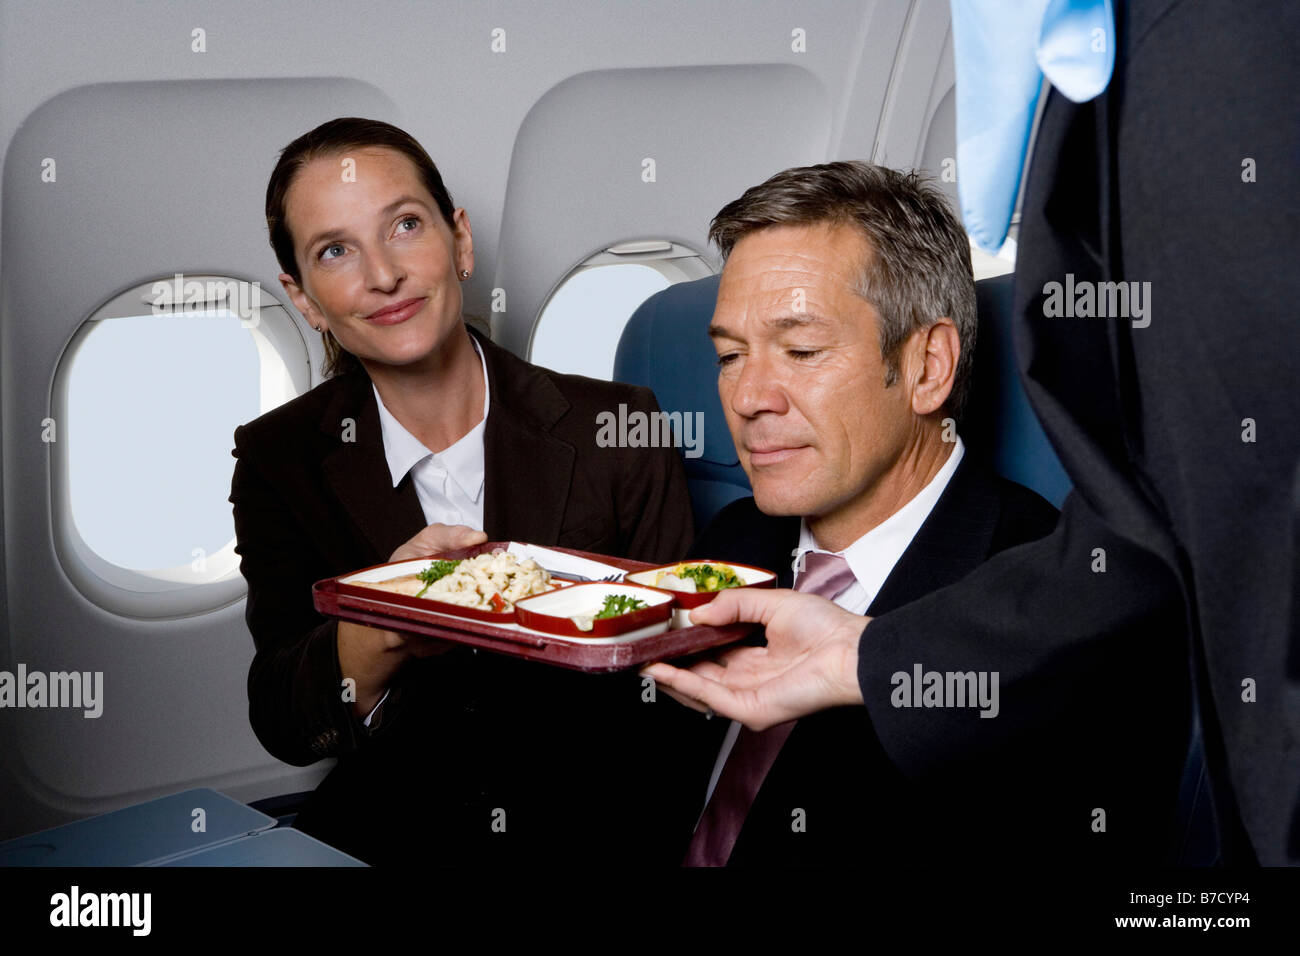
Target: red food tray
[(354, 603)]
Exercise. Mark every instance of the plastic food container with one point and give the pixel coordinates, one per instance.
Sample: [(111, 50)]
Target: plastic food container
[(358, 584), (684, 601), (554, 612)]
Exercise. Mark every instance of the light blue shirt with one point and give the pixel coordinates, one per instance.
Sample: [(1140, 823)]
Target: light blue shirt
[(1002, 50)]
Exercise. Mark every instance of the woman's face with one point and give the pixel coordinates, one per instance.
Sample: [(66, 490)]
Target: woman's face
[(379, 265)]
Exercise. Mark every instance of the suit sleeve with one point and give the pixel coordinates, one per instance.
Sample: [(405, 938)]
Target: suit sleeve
[(1084, 629), (295, 698), (654, 507)]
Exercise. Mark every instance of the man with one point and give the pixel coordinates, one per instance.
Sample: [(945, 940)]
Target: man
[(845, 331), (1161, 427)]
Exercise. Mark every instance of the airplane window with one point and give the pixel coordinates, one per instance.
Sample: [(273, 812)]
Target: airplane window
[(149, 396), (580, 324), (147, 437)]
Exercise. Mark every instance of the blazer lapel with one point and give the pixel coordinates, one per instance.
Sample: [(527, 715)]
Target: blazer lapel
[(357, 472), (954, 539), (528, 471), (782, 559), (1079, 374)]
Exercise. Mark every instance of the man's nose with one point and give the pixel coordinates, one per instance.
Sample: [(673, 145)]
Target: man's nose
[(756, 388)]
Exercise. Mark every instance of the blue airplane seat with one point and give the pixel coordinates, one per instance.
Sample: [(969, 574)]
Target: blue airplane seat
[(998, 421), (665, 346)]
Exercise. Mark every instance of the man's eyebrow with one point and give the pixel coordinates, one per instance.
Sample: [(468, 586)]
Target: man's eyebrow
[(795, 320), (387, 210), (780, 323)]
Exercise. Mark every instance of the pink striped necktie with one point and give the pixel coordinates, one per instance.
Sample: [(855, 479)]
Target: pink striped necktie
[(755, 751)]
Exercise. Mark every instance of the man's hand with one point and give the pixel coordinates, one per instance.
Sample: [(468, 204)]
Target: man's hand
[(810, 662), (437, 538)]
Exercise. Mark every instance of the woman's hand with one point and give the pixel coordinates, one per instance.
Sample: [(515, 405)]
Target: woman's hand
[(372, 656), (437, 538), (416, 645)]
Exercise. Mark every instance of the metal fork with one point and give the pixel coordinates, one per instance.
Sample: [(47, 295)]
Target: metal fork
[(608, 579)]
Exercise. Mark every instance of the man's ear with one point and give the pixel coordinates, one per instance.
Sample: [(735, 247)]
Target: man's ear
[(303, 303), (937, 352)]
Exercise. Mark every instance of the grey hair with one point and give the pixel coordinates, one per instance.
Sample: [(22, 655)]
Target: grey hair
[(919, 268)]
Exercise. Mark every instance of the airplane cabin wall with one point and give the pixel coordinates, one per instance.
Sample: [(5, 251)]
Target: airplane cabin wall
[(162, 156)]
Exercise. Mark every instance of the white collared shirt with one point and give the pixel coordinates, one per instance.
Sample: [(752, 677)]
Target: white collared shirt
[(448, 483), (871, 558), (874, 555)]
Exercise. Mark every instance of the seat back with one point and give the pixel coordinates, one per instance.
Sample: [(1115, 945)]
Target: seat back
[(665, 346), (999, 421)]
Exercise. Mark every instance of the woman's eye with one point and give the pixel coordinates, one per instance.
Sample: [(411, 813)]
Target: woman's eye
[(327, 252), (414, 220)]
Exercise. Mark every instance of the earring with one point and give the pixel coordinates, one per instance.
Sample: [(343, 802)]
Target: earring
[(464, 273)]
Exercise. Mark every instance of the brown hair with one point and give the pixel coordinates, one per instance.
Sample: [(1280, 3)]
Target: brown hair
[(919, 268), (329, 139)]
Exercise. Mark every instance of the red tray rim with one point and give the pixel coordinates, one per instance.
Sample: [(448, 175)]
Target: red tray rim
[(575, 654)]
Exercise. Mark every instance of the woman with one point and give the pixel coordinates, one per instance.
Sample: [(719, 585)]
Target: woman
[(433, 739)]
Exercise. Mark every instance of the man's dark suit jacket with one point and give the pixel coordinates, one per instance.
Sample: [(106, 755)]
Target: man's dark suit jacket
[(1145, 184), (1031, 795), (462, 734)]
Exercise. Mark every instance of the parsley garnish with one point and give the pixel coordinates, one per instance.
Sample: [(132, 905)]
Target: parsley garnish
[(616, 604), (439, 569)]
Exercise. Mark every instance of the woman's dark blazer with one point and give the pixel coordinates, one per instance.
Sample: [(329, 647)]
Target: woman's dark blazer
[(313, 498)]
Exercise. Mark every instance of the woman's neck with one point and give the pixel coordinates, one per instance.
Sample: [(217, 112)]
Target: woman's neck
[(438, 400)]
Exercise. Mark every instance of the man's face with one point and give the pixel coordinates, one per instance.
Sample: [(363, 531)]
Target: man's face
[(800, 372)]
